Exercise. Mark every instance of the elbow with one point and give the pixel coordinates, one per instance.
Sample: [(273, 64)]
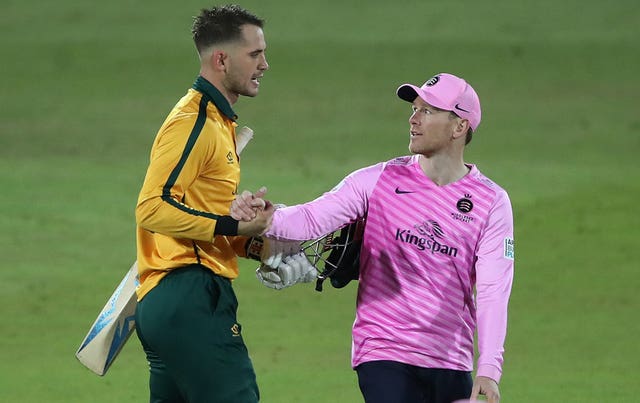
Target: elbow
[(145, 212)]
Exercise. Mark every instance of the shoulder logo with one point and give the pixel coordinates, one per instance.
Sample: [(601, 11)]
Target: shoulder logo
[(401, 160), (401, 192), (460, 109), (509, 248)]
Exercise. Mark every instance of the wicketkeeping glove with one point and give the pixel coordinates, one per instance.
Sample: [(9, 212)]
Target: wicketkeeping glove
[(291, 270)]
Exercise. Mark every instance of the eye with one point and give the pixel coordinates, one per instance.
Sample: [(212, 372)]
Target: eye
[(422, 110)]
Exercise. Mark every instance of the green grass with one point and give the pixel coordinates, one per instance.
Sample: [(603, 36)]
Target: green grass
[(86, 85)]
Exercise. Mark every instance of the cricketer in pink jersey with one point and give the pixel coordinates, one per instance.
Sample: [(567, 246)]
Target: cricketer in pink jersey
[(436, 229)]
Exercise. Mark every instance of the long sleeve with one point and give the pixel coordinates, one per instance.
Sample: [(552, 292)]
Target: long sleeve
[(345, 203), (494, 277)]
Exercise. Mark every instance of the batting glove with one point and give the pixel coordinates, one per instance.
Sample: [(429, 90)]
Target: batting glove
[(270, 251), (291, 270), (274, 252)]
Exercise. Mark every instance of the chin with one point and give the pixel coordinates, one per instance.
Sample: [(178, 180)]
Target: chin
[(414, 149)]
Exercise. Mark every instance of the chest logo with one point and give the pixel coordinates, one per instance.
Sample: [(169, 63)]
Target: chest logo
[(465, 205)]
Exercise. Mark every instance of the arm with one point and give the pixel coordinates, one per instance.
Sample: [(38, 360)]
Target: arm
[(176, 162), (494, 276), (346, 202)]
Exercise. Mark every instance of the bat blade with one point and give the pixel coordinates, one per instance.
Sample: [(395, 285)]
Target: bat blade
[(112, 327)]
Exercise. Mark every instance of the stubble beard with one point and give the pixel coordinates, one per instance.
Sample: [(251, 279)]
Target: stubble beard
[(240, 87)]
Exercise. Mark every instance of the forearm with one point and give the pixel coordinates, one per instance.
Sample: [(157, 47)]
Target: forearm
[(303, 222), (492, 303), (160, 216), (345, 203)]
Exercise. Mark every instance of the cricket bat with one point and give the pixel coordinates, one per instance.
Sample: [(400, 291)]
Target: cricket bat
[(112, 327), (116, 321)]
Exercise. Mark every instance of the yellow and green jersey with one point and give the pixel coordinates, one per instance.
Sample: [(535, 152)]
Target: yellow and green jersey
[(182, 214)]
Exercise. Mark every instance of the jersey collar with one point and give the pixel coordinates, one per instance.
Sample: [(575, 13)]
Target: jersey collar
[(211, 92)]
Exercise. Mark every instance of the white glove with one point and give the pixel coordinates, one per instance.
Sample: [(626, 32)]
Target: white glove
[(274, 251), (291, 270)]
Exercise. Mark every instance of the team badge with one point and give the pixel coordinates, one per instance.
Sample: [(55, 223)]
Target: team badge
[(465, 205)]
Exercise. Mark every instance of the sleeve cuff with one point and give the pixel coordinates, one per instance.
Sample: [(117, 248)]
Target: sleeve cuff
[(226, 225), (489, 371)]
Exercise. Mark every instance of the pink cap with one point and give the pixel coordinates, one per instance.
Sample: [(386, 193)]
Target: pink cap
[(448, 92)]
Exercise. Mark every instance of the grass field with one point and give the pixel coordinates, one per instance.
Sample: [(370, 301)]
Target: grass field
[(86, 85)]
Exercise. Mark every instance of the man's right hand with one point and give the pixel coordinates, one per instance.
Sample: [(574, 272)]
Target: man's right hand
[(259, 224), (246, 205)]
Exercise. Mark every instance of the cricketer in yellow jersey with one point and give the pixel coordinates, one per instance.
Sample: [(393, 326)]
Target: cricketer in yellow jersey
[(187, 244)]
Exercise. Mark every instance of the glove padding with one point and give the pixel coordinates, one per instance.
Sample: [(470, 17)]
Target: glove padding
[(271, 251), (291, 270), (274, 251)]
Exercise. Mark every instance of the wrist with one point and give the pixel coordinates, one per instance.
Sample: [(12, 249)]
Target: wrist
[(226, 225), (254, 247)]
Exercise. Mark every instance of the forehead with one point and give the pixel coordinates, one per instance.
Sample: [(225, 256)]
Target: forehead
[(253, 36), (421, 103)]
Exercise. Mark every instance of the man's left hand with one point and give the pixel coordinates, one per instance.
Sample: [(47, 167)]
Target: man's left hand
[(483, 385), (291, 270)]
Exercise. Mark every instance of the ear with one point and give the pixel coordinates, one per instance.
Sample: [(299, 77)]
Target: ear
[(461, 127), (218, 60)]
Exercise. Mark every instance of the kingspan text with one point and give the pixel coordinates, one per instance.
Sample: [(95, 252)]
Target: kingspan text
[(424, 243)]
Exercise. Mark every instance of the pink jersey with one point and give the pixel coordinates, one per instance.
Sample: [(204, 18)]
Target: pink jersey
[(425, 248)]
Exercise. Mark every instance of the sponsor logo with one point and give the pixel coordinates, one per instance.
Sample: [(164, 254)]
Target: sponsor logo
[(509, 248), (235, 330), (429, 238), (229, 157), (401, 192), (460, 109), (432, 81)]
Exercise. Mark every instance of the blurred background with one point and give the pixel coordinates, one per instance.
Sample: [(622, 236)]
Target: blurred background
[(86, 85)]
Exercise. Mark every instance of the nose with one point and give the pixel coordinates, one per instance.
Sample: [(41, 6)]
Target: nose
[(413, 120), (263, 64)]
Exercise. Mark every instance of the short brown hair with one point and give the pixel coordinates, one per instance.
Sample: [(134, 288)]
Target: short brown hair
[(221, 24)]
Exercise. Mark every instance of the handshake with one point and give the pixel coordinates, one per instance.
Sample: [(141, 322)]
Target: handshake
[(283, 263)]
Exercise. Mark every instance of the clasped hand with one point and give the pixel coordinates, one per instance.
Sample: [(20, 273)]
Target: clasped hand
[(283, 262)]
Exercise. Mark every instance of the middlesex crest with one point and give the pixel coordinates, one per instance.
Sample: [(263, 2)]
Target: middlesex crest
[(465, 205)]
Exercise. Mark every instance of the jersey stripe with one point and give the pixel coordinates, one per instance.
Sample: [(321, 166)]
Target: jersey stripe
[(193, 137)]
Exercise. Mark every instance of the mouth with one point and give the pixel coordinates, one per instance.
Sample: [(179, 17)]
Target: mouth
[(414, 133), (256, 80)]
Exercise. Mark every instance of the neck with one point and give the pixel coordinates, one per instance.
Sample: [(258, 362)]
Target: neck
[(217, 82), (442, 169)]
